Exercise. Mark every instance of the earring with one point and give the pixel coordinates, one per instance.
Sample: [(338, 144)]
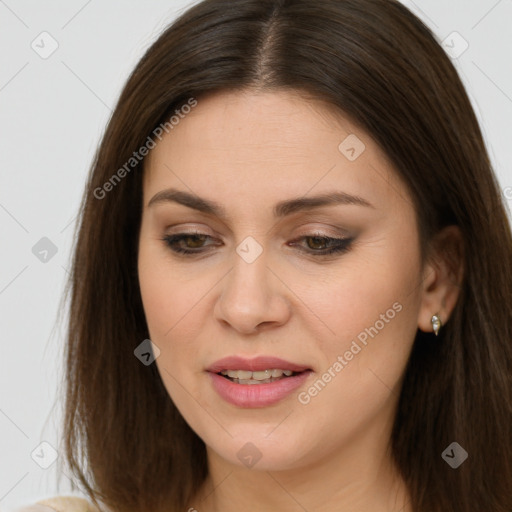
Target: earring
[(436, 323)]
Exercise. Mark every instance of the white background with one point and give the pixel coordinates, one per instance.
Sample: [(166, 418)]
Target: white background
[(53, 112)]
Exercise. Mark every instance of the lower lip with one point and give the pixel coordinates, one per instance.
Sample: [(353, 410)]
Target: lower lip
[(257, 395)]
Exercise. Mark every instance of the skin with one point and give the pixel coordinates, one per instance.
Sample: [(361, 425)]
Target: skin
[(247, 151)]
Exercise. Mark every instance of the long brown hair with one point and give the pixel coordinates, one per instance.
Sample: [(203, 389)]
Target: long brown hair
[(376, 62)]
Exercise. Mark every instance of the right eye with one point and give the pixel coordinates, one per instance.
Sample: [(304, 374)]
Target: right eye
[(186, 243)]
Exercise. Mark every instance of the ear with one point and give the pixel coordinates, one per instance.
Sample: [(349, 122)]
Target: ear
[(442, 277)]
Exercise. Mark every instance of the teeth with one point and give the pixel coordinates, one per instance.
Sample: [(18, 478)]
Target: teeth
[(245, 377), (239, 374)]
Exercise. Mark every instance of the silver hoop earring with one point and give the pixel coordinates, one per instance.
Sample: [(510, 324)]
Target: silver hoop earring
[(436, 323)]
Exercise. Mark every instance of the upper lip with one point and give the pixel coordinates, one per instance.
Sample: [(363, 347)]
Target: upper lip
[(255, 364)]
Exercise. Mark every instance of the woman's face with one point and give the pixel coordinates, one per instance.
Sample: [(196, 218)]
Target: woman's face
[(265, 184)]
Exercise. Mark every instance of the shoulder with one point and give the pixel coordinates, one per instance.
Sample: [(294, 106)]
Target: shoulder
[(59, 504)]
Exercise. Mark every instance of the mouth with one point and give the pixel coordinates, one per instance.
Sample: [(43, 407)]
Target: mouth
[(255, 365), (247, 377), (258, 382)]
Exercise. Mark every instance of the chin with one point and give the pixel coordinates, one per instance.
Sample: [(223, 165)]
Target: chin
[(251, 447)]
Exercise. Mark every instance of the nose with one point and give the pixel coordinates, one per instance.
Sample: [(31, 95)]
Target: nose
[(252, 297)]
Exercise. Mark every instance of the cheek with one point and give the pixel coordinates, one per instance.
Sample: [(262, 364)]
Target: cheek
[(174, 302), (370, 307), (373, 318), (164, 297), (167, 304), (154, 288)]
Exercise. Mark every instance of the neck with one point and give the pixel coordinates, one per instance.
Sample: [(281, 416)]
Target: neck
[(358, 476)]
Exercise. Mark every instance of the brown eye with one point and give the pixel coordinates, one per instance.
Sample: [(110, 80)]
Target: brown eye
[(194, 244), (196, 240), (325, 245), (317, 242), (186, 243)]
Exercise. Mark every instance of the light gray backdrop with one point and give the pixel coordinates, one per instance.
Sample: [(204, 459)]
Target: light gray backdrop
[(63, 64)]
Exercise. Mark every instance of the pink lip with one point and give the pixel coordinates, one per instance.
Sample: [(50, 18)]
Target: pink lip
[(256, 395), (259, 363)]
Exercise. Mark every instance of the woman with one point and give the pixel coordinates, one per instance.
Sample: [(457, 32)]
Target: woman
[(291, 285)]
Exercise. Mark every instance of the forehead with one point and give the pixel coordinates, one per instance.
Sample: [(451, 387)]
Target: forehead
[(259, 147)]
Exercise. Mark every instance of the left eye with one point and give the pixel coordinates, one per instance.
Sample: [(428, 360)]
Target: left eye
[(324, 245), (193, 243)]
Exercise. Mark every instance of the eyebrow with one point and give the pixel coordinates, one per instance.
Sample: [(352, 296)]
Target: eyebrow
[(281, 209)]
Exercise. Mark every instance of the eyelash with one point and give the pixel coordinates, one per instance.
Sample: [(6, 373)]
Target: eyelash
[(342, 244)]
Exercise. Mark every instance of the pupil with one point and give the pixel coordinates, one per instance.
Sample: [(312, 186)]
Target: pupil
[(317, 241), (196, 238)]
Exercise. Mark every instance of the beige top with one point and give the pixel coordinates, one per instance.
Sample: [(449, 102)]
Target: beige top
[(60, 504)]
